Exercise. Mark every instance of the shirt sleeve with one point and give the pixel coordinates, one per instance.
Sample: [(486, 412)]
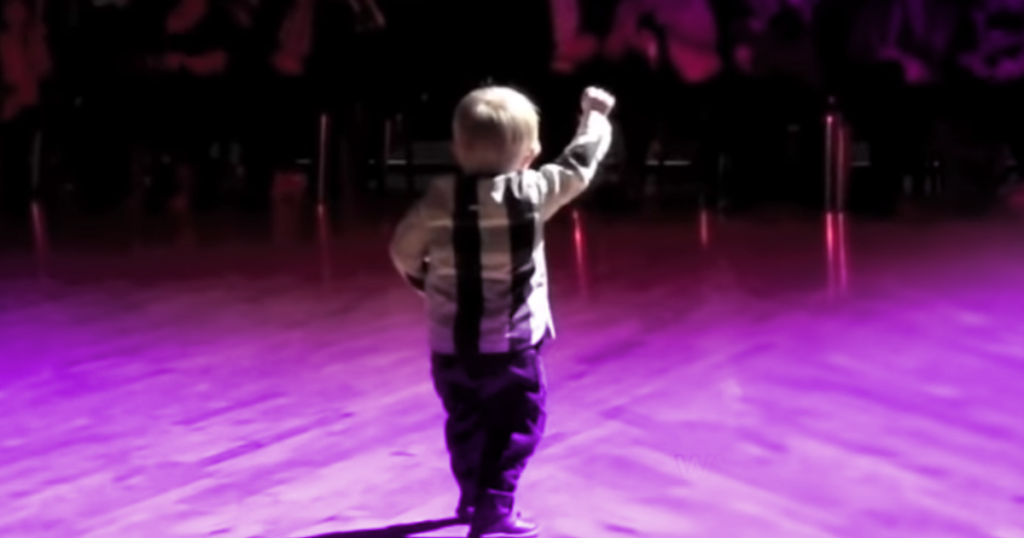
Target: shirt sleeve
[(410, 246), (566, 178)]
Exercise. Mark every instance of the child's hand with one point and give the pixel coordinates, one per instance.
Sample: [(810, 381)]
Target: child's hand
[(597, 100)]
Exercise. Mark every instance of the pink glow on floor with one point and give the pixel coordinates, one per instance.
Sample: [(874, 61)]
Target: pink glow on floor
[(235, 389)]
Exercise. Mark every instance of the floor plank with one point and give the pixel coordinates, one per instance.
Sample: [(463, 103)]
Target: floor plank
[(733, 386)]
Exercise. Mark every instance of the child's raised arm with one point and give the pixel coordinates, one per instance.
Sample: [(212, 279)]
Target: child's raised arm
[(571, 174)]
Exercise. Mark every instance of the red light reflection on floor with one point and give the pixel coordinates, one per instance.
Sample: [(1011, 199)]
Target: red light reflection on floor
[(580, 248), (836, 252)]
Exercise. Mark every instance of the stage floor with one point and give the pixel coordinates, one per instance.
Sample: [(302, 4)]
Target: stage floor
[(767, 378)]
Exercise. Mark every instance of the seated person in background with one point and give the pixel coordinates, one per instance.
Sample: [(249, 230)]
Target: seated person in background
[(991, 112), (25, 64), (690, 31), (276, 99), (191, 68), (783, 90), (667, 55), (999, 52), (278, 67), (879, 98), (109, 67), (574, 43)]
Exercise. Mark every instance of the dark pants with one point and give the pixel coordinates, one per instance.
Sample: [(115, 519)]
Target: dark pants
[(496, 417)]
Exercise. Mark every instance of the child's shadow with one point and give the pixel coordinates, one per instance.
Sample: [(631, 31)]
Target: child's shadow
[(395, 531)]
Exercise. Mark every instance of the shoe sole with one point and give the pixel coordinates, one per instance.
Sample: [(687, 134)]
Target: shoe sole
[(533, 534)]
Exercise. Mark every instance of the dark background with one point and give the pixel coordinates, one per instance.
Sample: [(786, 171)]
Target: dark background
[(388, 87)]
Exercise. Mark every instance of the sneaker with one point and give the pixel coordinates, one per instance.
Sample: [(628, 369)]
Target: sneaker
[(464, 513), (511, 526)]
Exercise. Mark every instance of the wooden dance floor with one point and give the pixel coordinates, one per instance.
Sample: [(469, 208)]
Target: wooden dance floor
[(767, 378)]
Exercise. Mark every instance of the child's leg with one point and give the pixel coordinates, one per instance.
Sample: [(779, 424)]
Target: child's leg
[(513, 401), (463, 430)]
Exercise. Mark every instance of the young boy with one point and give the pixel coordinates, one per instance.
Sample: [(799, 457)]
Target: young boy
[(474, 246)]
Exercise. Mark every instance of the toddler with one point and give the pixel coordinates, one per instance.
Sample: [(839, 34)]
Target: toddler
[(474, 246)]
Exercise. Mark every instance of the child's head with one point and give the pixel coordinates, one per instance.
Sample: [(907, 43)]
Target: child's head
[(496, 130)]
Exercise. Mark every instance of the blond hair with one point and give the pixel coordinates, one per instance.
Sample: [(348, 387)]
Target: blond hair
[(496, 129)]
